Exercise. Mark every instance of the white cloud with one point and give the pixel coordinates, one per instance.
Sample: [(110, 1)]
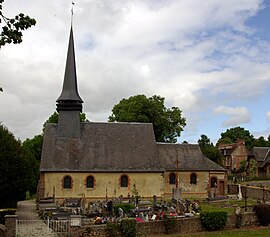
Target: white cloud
[(268, 117), (238, 115), (190, 52)]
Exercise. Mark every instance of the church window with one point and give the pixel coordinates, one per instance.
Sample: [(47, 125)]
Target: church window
[(172, 178), (90, 182), (193, 178), (124, 181), (67, 182), (213, 182)]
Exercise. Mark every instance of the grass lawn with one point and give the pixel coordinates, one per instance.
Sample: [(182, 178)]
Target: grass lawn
[(256, 232), (226, 205)]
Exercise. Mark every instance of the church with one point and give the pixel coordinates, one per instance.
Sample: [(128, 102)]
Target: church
[(98, 160)]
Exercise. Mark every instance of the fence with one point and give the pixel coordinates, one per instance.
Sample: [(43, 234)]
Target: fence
[(48, 228)]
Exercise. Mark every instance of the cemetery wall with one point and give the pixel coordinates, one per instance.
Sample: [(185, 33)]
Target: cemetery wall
[(259, 193), (185, 225)]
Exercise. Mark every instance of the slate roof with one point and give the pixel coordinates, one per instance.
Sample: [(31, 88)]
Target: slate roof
[(103, 147), (189, 155), (70, 87), (262, 154)]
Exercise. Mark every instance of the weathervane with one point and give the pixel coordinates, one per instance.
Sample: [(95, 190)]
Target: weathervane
[(72, 4)]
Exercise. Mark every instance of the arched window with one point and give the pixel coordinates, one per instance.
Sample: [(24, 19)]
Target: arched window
[(124, 181), (90, 182), (213, 182), (67, 182), (193, 178), (172, 178)]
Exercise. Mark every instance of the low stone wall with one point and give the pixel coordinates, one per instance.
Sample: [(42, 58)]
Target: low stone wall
[(259, 193), (183, 225)]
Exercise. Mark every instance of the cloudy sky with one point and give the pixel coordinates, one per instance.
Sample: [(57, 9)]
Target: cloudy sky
[(209, 58)]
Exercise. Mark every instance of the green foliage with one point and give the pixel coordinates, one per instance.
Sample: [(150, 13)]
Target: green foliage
[(170, 224), (232, 134), (128, 227), (214, 220), (209, 150), (167, 122), (13, 27), (114, 228), (34, 146), (263, 214), (124, 206), (17, 170), (261, 142)]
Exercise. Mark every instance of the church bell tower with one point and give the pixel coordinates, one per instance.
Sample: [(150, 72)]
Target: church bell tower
[(69, 103)]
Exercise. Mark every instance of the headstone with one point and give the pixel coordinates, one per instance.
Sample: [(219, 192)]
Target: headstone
[(121, 212), (176, 193), (154, 201), (240, 197), (121, 198)]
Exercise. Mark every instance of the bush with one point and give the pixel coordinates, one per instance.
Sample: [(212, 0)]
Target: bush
[(263, 214), (128, 227), (214, 220), (170, 224), (113, 229), (125, 207)]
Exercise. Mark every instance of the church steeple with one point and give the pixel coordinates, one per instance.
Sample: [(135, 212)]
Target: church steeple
[(69, 103)]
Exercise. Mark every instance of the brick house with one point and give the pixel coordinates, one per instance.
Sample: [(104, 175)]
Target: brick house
[(262, 157), (233, 154)]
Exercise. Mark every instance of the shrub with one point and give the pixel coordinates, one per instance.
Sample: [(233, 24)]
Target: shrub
[(262, 213), (125, 207), (128, 227), (214, 220), (170, 224), (113, 229)]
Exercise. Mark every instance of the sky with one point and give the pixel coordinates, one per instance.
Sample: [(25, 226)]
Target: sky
[(209, 58)]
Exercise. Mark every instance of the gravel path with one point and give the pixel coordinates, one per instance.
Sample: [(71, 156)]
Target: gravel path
[(28, 222), (26, 210)]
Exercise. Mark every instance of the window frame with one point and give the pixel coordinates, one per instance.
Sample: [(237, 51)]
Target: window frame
[(124, 181), (172, 178), (213, 182), (67, 184), (193, 178), (92, 181)]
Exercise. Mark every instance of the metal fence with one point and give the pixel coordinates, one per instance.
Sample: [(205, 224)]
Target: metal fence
[(48, 228)]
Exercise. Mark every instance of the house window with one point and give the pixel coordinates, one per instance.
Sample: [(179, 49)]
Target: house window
[(124, 181), (67, 182), (228, 161), (90, 182), (172, 178), (213, 182), (193, 179)]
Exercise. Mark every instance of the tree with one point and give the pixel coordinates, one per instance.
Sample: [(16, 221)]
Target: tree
[(16, 170), (13, 27), (235, 133), (261, 142), (34, 146), (168, 123), (209, 150)]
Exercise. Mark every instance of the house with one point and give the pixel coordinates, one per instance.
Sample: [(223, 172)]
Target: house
[(233, 154), (262, 157), (95, 161)]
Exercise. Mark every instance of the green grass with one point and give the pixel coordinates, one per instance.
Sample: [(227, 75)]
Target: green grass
[(228, 205), (229, 233)]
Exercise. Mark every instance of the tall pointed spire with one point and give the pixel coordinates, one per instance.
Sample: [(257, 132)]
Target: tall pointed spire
[(70, 89), (69, 103)]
